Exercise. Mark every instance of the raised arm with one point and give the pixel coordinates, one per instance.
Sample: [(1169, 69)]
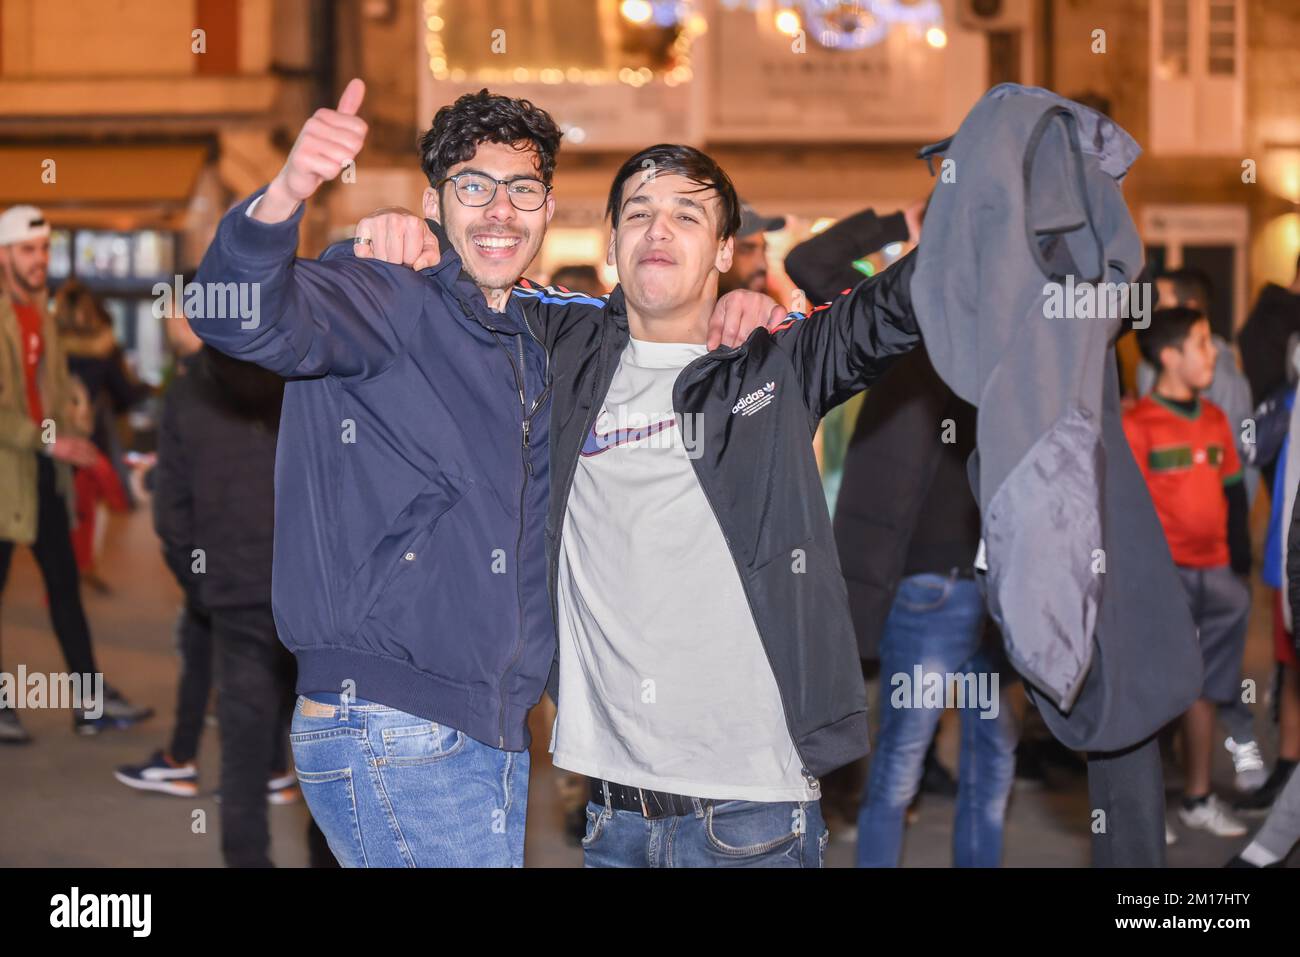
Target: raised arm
[(844, 345), (301, 317)]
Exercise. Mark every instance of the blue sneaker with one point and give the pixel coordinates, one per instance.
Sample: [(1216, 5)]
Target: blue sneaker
[(160, 773)]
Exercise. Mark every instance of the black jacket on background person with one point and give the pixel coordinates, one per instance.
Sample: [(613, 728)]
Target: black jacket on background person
[(905, 504), (214, 487), (760, 476), (823, 265)]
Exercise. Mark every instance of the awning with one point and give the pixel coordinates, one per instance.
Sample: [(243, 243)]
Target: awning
[(99, 175)]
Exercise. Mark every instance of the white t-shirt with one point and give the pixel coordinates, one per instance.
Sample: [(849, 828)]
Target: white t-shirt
[(664, 682)]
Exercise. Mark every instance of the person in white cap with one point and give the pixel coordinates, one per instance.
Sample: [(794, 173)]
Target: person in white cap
[(37, 452)]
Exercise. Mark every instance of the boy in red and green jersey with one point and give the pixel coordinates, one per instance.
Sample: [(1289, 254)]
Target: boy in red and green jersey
[(1184, 446)]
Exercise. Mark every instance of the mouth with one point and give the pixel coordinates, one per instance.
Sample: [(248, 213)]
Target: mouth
[(493, 246), (656, 259)]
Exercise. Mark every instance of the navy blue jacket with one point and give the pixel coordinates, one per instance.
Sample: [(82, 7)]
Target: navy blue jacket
[(411, 477)]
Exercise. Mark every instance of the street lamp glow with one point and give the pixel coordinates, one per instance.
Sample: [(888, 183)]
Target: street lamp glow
[(636, 11), (936, 38), (787, 21)]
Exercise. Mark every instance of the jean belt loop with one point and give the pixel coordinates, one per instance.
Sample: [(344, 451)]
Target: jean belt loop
[(607, 810), (699, 807), (343, 707)]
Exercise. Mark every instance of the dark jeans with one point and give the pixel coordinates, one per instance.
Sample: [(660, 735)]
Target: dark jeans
[(58, 565), (255, 681), (194, 641), (1128, 788)]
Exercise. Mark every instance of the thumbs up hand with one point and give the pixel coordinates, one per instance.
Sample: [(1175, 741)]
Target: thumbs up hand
[(328, 142)]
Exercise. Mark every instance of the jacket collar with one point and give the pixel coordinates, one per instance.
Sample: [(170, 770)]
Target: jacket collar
[(449, 273)]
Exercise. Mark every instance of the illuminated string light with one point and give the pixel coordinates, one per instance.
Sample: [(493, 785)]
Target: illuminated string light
[(692, 26)]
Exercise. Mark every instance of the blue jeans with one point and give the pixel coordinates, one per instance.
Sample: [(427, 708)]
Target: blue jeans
[(390, 789), (936, 622), (717, 834)]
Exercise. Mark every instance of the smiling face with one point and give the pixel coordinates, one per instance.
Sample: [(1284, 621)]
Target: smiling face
[(495, 242), (666, 245)]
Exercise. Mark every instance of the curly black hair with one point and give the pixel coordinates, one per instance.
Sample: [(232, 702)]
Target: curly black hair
[(485, 117)]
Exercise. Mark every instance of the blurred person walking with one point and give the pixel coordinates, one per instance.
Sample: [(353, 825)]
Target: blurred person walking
[(38, 448), (214, 513), (97, 361)]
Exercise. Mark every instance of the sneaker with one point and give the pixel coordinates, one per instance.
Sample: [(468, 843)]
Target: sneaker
[(283, 789), (1248, 763), (11, 729), (160, 773), (1212, 815), (1171, 836), (122, 712), (280, 789), (1260, 801)]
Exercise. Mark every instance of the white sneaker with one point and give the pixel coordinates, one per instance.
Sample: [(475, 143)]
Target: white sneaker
[(1248, 763), (1171, 837), (1212, 815)]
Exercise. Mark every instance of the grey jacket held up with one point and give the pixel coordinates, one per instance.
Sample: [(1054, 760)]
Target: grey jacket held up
[(1080, 579)]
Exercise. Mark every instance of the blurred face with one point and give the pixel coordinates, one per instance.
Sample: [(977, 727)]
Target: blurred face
[(495, 242), (1193, 364), (666, 244), (26, 266), (748, 265)]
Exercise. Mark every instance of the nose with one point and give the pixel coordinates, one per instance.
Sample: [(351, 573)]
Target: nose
[(500, 210), (659, 229)]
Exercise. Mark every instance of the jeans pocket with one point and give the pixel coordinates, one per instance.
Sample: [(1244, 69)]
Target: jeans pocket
[(751, 829), (421, 743), (333, 804), (922, 593), (597, 816)]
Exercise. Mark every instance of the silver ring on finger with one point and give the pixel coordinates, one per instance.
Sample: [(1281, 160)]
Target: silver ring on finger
[(362, 241)]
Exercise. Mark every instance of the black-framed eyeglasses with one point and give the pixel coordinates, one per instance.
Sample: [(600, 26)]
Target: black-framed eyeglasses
[(479, 189)]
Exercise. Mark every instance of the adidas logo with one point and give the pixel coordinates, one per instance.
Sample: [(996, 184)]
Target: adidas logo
[(760, 398)]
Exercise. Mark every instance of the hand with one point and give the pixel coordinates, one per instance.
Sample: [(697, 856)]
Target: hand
[(912, 216), (328, 142), (77, 451), (398, 236), (739, 313)]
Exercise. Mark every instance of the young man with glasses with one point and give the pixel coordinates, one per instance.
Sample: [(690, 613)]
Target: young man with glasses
[(411, 484)]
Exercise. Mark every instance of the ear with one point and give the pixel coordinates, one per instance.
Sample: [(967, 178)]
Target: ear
[(722, 262), (609, 253), (432, 207), (550, 206)]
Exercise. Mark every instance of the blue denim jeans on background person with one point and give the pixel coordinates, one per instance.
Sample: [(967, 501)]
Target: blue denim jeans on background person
[(937, 622), (717, 834), (391, 789)]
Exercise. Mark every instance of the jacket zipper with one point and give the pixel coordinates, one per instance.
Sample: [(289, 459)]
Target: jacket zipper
[(809, 778), (526, 425)]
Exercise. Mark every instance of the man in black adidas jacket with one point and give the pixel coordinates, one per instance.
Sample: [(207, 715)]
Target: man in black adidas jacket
[(704, 705)]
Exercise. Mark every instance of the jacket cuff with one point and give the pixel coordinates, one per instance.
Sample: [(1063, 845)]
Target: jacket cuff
[(246, 238)]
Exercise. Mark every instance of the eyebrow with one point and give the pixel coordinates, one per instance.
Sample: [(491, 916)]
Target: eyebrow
[(681, 201), (480, 172)]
